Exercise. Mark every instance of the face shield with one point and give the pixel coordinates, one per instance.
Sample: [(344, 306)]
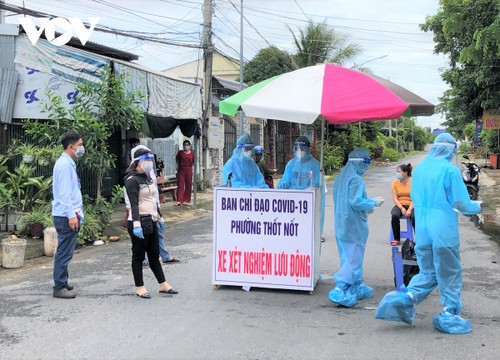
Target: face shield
[(146, 161), (361, 164), (247, 150), (300, 149)]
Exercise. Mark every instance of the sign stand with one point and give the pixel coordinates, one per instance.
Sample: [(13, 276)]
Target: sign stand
[(267, 238)]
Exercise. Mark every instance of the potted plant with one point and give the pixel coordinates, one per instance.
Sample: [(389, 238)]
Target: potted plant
[(43, 156), (494, 158), (27, 151), (13, 249), (37, 220), (47, 155), (6, 196), (24, 191)]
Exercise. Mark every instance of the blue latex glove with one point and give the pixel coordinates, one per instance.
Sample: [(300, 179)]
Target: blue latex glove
[(161, 227), (138, 232)]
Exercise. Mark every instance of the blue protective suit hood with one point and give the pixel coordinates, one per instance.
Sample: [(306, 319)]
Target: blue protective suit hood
[(359, 159), (244, 170), (445, 147)]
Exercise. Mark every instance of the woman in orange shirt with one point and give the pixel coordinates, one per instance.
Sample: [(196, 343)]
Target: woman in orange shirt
[(403, 205)]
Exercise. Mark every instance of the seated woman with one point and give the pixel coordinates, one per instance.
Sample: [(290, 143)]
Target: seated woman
[(403, 205)]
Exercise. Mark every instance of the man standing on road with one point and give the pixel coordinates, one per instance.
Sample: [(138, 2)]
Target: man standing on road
[(438, 193), (67, 211)]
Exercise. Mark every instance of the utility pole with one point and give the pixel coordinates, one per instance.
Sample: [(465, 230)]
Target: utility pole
[(208, 53), (241, 64), (2, 19), (397, 134)]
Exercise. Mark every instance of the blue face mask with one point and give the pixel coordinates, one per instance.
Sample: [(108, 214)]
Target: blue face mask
[(399, 176)]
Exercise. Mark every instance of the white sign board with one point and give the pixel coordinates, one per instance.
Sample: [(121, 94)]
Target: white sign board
[(216, 133), (264, 238)]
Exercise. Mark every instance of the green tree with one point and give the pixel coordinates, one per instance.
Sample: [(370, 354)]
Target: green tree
[(269, 62), (318, 42), (467, 32), (99, 110)]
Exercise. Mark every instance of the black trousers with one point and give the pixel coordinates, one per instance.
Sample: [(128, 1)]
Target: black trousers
[(395, 216), (150, 245)]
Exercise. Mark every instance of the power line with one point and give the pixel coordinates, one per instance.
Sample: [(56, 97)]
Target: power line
[(99, 28), (249, 23)]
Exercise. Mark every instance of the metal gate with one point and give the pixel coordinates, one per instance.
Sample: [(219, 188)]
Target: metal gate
[(281, 135), (255, 134), (87, 177), (229, 138), (166, 150)]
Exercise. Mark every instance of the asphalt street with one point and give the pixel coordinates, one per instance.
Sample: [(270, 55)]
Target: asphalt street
[(108, 321)]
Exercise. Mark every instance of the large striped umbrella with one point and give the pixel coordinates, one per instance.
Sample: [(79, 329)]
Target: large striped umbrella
[(339, 94)]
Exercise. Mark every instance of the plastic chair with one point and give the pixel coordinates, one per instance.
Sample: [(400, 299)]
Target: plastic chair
[(397, 257)]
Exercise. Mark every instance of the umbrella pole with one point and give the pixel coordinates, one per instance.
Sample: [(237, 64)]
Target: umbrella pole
[(322, 143)]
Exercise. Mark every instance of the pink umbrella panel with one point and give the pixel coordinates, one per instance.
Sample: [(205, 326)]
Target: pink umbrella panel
[(338, 94)]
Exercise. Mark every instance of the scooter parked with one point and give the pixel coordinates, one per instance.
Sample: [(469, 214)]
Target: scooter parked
[(471, 177)]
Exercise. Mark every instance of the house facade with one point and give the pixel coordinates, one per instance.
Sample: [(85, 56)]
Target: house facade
[(27, 72)]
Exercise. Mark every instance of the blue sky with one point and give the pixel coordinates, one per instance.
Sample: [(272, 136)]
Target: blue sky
[(387, 30)]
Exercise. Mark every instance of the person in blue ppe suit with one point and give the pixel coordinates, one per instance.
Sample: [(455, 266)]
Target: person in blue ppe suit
[(297, 173), (438, 193), (241, 170), (351, 208)]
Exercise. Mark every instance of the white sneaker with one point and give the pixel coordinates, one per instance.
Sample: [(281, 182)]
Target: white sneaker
[(98, 242)]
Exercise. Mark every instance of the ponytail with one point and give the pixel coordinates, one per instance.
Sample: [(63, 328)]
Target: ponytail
[(406, 168)]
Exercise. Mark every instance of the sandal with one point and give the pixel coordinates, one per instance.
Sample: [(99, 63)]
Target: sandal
[(394, 242), (169, 291), (146, 295), (177, 204)]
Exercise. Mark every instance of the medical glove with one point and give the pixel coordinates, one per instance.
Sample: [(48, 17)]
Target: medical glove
[(379, 200), (138, 232)]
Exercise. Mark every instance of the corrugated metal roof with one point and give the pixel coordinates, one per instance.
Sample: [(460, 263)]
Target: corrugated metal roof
[(96, 48), (7, 51), (229, 84), (8, 79)]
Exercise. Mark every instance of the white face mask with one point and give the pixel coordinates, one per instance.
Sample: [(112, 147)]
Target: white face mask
[(247, 154), (299, 154), (147, 166), (80, 151)]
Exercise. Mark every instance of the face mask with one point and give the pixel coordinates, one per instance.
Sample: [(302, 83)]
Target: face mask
[(299, 154), (147, 166), (247, 154), (399, 176), (80, 151)]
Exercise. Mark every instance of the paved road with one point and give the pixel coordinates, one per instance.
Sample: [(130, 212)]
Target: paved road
[(107, 321)]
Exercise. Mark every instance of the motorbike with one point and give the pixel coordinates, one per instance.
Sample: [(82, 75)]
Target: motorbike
[(471, 177)]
